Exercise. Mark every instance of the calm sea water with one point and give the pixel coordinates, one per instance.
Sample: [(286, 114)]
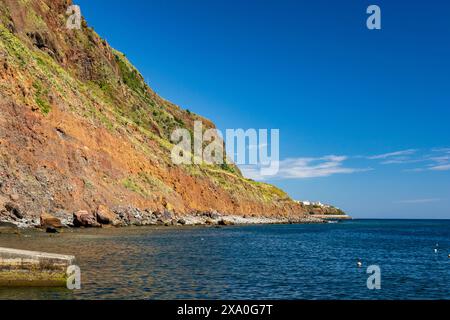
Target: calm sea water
[(251, 262)]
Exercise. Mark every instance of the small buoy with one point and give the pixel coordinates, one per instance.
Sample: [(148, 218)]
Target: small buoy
[(359, 263), (435, 250)]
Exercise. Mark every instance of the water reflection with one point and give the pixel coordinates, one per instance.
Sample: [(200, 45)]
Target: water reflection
[(254, 262)]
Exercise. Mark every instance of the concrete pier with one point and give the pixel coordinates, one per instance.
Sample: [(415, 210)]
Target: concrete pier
[(21, 268)]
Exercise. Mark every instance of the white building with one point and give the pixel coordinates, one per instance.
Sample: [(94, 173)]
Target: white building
[(311, 203)]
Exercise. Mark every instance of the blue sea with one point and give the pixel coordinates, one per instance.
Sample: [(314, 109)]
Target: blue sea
[(311, 261)]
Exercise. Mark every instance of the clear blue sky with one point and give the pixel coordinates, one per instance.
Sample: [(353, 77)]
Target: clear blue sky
[(380, 100)]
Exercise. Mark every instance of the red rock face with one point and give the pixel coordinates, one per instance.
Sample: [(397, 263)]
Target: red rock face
[(85, 219), (80, 128)]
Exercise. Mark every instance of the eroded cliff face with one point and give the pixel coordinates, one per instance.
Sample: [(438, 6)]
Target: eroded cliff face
[(79, 128)]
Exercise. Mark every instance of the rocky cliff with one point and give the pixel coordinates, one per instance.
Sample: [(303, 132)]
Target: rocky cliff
[(80, 128)]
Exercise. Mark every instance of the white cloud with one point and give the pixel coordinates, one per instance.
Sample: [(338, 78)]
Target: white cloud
[(437, 159), (402, 160), (443, 150), (443, 167), (440, 160), (302, 168), (415, 170), (393, 154)]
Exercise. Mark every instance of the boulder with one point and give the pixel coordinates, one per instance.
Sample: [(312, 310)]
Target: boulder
[(167, 216), (14, 210), (225, 223), (106, 216), (181, 221), (215, 215), (128, 215), (49, 221), (86, 219), (212, 214), (148, 217)]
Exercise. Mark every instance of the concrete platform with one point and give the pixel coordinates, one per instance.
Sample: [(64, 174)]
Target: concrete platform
[(21, 268)]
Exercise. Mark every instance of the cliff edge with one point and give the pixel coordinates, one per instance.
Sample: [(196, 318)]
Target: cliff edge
[(80, 128)]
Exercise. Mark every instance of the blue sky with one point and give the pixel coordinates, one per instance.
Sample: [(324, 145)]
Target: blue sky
[(363, 115)]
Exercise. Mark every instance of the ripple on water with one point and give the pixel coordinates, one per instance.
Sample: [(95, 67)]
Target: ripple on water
[(250, 262)]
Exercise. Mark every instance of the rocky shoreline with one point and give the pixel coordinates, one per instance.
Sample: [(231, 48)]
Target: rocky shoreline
[(130, 216)]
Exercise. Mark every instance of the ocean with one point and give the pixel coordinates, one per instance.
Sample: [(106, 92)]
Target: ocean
[(311, 261)]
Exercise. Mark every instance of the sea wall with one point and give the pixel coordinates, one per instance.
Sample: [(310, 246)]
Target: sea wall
[(30, 268)]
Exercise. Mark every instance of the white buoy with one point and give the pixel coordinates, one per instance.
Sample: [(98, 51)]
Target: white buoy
[(436, 249), (359, 263)]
